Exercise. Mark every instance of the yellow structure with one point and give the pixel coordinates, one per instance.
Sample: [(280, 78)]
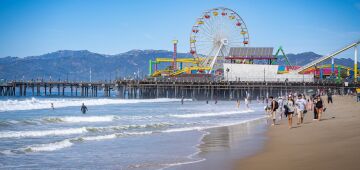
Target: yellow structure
[(188, 70), (169, 72), (180, 60)]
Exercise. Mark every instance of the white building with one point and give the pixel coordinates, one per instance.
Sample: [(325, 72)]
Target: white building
[(258, 72)]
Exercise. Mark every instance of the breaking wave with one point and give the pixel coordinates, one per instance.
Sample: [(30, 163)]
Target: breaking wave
[(71, 131), (70, 142), (49, 146), (77, 119), (40, 133), (195, 115), (40, 103)]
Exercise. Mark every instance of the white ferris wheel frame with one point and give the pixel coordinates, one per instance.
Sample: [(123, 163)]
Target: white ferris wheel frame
[(215, 33)]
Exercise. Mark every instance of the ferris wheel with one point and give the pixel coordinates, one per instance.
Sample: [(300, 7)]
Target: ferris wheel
[(214, 33)]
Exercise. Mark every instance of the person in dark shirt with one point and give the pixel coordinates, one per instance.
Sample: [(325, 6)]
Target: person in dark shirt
[(83, 108), (329, 97)]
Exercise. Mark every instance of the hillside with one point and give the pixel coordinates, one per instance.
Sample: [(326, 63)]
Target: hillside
[(75, 65)]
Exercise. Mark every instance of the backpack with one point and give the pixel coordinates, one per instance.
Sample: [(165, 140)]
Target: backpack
[(276, 105)]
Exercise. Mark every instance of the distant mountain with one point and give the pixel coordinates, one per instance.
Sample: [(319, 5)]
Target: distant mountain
[(75, 65), (306, 57)]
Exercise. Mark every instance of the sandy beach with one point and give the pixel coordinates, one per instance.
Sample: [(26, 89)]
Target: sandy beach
[(332, 143)]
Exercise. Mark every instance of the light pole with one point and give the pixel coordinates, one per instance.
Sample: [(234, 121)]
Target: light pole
[(264, 74), (227, 73), (90, 74)]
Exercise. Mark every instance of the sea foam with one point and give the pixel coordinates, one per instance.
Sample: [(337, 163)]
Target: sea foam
[(49, 146), (45, 103), (40, 133), (77, 119), (195, 115)]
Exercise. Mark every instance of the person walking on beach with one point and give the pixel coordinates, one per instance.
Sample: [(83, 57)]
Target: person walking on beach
[(319, 107), (329, 96), (300, 108), (238, 103), (247, 103), (314, 101), (280, 110), (290, 107), (308, 104), (274, 106), (83, 108)]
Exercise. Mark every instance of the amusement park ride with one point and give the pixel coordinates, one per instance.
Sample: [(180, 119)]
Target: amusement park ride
[(220, 36)]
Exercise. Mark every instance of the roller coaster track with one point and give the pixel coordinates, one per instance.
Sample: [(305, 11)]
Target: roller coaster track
[(315, 62)]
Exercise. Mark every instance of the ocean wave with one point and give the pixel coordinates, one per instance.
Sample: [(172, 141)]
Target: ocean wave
[(185, 129), (49, 146), (102, 137), (71, 131), (195, 115), (45, 103), (78, 119), (70, 142), (72, 119), (40, 133), (200, 128)]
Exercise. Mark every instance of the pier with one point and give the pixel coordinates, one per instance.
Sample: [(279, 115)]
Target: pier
[(199, 89)]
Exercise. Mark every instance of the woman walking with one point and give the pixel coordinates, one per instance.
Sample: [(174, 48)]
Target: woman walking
[(290, 110), (319, 107)]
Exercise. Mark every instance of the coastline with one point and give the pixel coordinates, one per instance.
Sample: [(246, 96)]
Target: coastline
[(332, 143), (221, 146)]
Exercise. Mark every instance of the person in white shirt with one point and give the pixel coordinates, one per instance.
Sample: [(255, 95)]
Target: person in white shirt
[(280, 110), (300, 108), (247, 103)]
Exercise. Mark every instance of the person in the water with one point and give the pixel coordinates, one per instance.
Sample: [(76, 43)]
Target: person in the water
[(52, 106), (83, 108)]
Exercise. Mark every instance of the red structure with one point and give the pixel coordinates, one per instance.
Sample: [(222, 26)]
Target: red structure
[(174, 55)]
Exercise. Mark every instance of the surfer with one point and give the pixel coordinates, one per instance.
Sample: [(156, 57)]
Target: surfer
[(83, 108), (52, 106), (182, 100)]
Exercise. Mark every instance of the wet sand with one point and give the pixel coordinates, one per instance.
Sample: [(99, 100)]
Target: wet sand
[(222, 146), (333, 143)]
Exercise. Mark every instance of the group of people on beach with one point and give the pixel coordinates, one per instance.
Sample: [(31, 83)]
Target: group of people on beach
[(296, 105)]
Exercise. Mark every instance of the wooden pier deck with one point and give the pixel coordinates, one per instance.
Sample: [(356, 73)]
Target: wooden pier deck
[(168, 88)]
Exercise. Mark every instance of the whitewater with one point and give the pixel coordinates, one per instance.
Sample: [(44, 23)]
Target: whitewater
[(45, 103)]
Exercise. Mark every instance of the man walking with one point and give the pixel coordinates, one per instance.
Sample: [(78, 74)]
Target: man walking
[(274, 106), (329, 96), (300, 108)]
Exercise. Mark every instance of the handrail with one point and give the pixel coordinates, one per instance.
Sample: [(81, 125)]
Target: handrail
[(303, 68)]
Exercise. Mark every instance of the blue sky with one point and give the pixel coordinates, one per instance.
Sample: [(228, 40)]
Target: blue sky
[(35, 27)]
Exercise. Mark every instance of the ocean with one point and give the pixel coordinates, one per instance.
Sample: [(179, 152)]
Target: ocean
[(113, 134)]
